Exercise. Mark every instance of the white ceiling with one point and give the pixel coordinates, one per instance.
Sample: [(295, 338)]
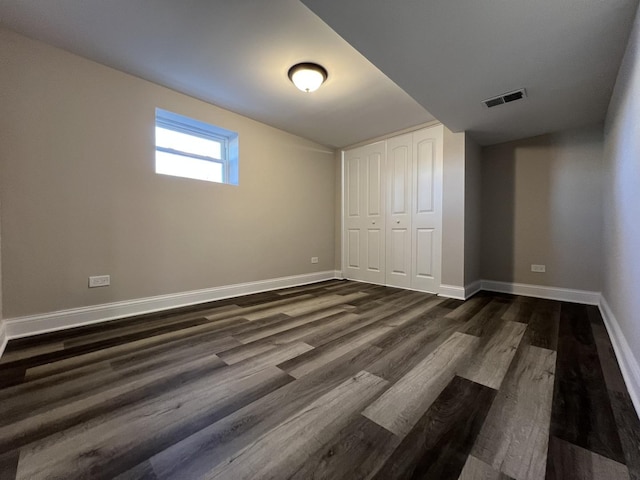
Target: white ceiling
[(234, 54), (448, 55)]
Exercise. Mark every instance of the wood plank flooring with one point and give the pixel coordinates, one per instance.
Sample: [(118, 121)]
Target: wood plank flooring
[(335, 380)]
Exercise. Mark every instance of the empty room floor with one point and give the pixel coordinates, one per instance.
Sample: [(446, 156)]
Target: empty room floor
[(336, 380)]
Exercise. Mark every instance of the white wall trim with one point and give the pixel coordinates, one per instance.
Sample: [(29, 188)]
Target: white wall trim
[(552, 293), (627, 361), (338, 274), (452, 291), (3, 337), (473, 288), (75, 317)]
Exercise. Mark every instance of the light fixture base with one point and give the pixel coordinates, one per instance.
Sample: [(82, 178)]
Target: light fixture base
[(308, 76)]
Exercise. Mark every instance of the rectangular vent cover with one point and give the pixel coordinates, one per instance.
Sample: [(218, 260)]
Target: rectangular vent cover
[(505, 98)]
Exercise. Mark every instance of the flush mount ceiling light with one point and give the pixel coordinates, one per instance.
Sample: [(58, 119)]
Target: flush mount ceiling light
[(307, 76)]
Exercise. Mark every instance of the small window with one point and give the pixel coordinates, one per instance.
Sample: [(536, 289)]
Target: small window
[(192, 149)]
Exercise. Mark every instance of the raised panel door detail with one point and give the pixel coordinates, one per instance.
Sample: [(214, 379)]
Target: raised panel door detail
[(374, 246), (399, 251), (399, 176), (363, 213), (374, 187), (353, 249), (353, 187), (425, 176), (424, 252)]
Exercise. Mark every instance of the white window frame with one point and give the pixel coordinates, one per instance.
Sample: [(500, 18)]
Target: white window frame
[(227, 139)]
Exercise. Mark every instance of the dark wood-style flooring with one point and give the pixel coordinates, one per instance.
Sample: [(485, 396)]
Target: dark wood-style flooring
[(336, 380)]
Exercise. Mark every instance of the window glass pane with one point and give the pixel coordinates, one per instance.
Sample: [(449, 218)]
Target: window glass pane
[(187, 143), (187, 167)]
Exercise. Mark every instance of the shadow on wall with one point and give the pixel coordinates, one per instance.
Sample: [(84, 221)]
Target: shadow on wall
[(498, 214), (542, 205)]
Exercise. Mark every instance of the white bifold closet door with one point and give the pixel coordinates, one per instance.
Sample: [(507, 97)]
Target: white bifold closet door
[(364, 234), (392, 214), (399, 208), (426, 219)]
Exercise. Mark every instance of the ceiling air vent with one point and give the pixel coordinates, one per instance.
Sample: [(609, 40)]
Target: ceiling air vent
[(505, 98)]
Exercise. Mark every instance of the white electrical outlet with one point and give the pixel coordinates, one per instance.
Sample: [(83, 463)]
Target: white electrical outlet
[(314, 259), (99, 281), (539, 268)]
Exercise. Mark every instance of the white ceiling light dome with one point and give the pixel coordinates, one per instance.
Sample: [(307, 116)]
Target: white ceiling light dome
[(308, 76)]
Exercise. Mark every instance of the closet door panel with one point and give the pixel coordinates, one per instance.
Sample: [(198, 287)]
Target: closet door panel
[(427, 209), (398, 255), (352, 184), (399, 241), (364, 256), (424, 253), (353, 248), (425, 176), (375, 255)]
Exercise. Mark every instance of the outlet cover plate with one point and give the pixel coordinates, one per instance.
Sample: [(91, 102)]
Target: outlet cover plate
[(99, 281), (314, 259), (538, 268)]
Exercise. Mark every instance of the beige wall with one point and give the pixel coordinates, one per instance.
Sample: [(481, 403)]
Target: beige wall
[(1, 309), (542, 204), (453, 204), (2, 323), (80, 197), (472, 211), (622, 197)]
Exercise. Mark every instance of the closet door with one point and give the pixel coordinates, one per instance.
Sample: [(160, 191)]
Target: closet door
[(364, 239), (399, 206), (427, 209)]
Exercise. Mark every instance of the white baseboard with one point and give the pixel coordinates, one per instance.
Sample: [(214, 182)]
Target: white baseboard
[(473, 288), (338, 274), (3, 337), (452, 291), (626, 359), (460, 293), (539, 291), (76, 317)]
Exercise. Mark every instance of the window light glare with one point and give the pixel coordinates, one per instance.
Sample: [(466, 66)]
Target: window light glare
[(189, 148), (187, 143), (307, 76), (185, 167)]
